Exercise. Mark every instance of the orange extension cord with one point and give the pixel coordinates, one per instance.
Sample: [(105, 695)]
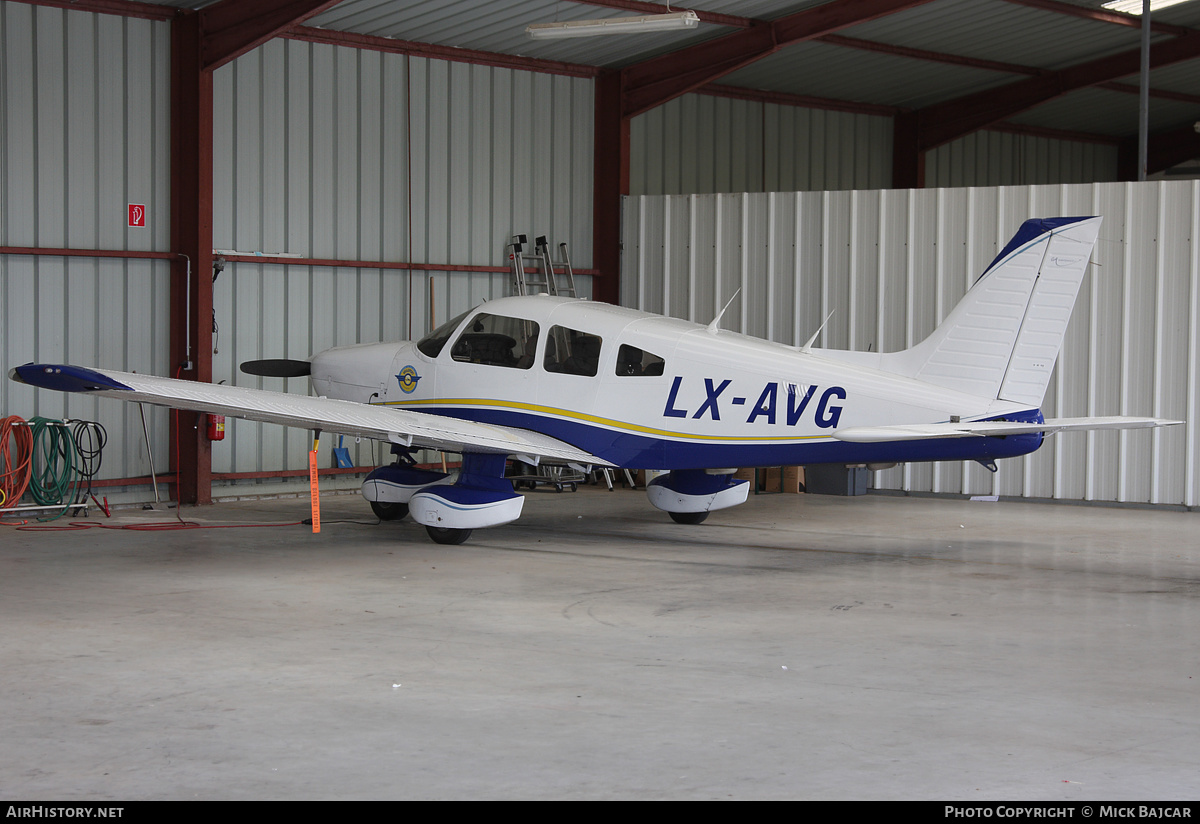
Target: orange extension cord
[(14, 433)]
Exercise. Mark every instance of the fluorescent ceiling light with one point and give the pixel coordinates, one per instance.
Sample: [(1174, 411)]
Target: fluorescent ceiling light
[(616, 25), (1135, 6)]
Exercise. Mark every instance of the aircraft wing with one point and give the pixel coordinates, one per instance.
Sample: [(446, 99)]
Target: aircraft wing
[(402, 426), (994, 429)]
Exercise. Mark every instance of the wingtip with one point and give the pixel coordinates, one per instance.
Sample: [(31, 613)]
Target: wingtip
[(63, 377)]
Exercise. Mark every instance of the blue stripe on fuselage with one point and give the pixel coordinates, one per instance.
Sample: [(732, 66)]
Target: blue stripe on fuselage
[(636, 451)]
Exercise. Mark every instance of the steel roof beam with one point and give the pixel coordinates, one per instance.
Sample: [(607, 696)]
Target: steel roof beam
[(1166, 149), (455, 53), (1164, 94), (1119, 18), (1171, 148), (806, 101), (653, 82), (643, 7), (929, 56), (989, 65), (231, 28), (124, 8), (944, 122)]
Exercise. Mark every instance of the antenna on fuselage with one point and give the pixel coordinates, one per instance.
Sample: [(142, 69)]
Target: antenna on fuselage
[(712, 327), (808, 345)]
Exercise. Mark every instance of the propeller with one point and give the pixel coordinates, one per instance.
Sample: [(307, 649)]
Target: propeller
[(278, 368)]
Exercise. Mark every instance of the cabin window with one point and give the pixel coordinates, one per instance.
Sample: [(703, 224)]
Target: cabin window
[(638, 362), (432, 344), (572, 352), (495, 340)]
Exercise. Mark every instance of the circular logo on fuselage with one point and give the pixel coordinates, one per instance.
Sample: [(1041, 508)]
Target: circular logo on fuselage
[(408, 378)]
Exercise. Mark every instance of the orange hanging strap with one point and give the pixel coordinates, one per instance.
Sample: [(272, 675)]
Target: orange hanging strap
[(314, 491)]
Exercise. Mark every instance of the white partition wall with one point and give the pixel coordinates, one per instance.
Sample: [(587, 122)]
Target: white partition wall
[(890, 264)]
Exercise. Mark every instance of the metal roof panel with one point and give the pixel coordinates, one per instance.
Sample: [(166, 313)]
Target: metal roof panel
[(866, 77)]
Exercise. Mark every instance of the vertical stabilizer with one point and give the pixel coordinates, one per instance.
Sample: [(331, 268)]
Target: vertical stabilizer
[(1002, 339)]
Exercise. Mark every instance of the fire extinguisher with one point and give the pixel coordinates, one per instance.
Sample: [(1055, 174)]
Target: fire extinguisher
[(216, 427)]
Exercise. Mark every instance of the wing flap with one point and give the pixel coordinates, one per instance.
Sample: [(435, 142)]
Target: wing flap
[(341, 417), (992, 429)]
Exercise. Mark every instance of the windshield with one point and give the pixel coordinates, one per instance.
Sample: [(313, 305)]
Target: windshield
[(431, 345)]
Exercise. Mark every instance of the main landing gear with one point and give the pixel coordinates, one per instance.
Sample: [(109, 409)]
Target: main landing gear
[(481, 497), (688, 495), (390, 488), (386, 511), (448, 509), (452, 537)]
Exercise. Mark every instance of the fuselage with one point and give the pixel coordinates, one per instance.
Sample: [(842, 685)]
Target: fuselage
[(641, 390)]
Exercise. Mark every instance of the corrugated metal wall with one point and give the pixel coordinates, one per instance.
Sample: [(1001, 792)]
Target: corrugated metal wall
[(703, 143), (313, 146), (891, 265), (699, 144), (988, 158), (313, 149), (314, 143), (84, 131)]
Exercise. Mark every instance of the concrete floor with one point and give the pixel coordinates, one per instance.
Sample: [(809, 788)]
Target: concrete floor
[(795, 647)]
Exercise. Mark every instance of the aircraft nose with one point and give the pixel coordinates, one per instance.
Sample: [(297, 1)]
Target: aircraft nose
[(358, 373)]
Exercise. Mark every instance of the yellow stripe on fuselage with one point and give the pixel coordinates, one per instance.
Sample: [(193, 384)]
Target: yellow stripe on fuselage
[(596, 419)]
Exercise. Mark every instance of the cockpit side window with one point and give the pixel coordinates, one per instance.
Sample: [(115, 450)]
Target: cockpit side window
[(572, 352), (431, 345), (632, 361), (496, 340)]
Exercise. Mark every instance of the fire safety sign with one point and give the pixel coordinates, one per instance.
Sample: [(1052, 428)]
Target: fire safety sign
[(137, 214)]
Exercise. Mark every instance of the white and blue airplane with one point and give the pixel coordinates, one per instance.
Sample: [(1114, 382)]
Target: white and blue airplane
[(561, 380)]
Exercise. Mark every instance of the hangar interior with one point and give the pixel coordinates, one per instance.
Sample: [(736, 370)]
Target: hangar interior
[(207, 183), (371, 160)]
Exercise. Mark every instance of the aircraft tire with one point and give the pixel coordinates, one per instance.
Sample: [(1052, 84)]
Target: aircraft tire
[(389, 511), (441, 535), (688, 517)]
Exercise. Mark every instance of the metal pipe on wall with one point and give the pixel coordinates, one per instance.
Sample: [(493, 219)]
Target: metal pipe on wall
[(1144, 95)]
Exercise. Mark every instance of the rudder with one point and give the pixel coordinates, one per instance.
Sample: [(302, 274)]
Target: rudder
[(1003, 337)]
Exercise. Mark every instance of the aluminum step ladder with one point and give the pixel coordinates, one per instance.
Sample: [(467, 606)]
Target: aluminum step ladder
[(547, 276)]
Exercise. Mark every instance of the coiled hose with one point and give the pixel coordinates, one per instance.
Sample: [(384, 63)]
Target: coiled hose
[(53, 461), (54, 477), (16, 451)]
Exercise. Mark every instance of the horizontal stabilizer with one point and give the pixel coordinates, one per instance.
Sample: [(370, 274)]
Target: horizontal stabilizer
[(402, 426), (990, 429)]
